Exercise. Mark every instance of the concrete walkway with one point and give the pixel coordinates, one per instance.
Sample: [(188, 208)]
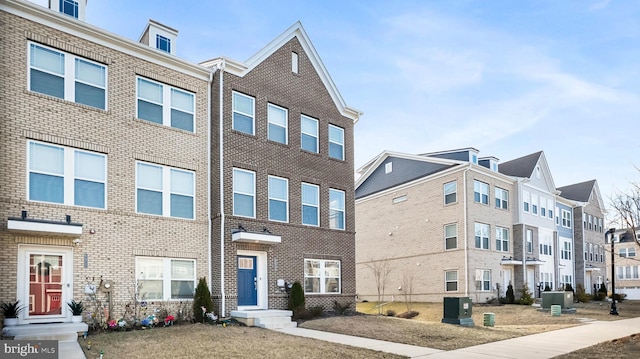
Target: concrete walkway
[(537, 346)]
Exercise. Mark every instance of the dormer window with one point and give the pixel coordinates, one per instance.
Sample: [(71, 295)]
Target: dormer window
[(163, 43), (69, 7), (73, 8)]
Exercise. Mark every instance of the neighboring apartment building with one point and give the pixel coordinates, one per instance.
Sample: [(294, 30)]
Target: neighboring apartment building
[(284, 193), (626, 263), (588, 232), (457, 224), (440, 222), (104, 157)]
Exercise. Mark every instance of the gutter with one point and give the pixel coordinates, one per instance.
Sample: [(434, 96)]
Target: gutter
[(466, 240), (210, 225), (221, 67)]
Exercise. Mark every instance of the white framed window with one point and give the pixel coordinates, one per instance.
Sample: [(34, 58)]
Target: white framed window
[(483, 280), (163, 43), (545, 248), (526, 200), (243, 113), (450, 192), (591, 252), (388, 167), (244, 193), (278, 199), (550, 209), (451, 236), (502, 198), (546, 280), (566, 219), (165, 278), (64, 175), (278, 124), (529, 241), (480, 192), (590, 222), (566, 250), (627, 252), (165, 105), (451, 281), (534, 204), (336, 142), (66, 76), (482, 235), (309, 133), (399, 199), (310, 204), (566, 279), (502, 239), (69, 7), (294, 63), (543, 207), (165, 191), (627, 272), (322, 276), (336, 209)]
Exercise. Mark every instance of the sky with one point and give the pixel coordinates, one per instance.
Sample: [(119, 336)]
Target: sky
[(508, 78)]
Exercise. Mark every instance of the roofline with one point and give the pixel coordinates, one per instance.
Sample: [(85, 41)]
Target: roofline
[(69, 25), (450, 151), (168, 29)]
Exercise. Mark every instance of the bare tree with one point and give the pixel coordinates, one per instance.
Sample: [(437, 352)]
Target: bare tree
[(407, 287), (381, 270), (626, 206)]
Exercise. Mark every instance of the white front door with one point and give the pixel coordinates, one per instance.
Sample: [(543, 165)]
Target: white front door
[(506, 280), (45, 283), (531, 280)]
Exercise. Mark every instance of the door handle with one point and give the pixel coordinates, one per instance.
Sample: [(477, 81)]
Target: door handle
[(255, 283)]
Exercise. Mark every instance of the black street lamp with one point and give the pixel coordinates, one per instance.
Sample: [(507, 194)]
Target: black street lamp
[(614, 310)]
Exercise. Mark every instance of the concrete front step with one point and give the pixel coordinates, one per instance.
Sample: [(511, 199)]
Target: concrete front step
[(269, 319), (275, 323), (52, 331)]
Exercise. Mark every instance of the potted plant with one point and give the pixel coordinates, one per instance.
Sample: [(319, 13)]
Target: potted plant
[(10, 311), (76, 311)]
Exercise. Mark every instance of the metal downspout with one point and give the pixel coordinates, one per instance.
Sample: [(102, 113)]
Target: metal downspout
[(466, 240), (221, 67), (210, 225)]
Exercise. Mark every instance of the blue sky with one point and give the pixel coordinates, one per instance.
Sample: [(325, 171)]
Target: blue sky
[(507, 77)]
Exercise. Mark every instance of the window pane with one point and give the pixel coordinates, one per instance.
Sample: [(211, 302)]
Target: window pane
[(90, 95), (336, 199), (277, 133), (149, 268), (332, 269), (46, 188), (309, 194), (149, 91), (90, 73), (242, 123), (312, 285), (335, 151), (277, 188), (183, 289), (45, 158), (449, 276), (182, 270), (309, 126), (331, 285), (450, 230), (182, 100), (336, 134), (243, 104), (310, 215), (277, 210), (182, 120), (182, 182), (149, 176), (311, 268), (89, 166), (181, 206), (243, 181), (47, 60), (309, 143), (151, 289), (242, 205), (47, 84), (149, 202), (336, 219), (150, 111), (277, 115), (88, 194)]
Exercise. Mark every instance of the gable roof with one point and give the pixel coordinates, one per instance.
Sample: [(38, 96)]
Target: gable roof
[(521, 167), (580, 192), (296, 30)]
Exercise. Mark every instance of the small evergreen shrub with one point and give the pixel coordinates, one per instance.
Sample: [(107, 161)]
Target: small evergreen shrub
[(202, 298), (296, 298), (510, 298), (526, 298), (547, 288)]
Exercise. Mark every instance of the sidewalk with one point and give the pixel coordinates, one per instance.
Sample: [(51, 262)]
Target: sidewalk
[(537, 346)]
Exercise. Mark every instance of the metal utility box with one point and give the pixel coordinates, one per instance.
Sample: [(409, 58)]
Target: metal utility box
[(563, 299), (458, 310)]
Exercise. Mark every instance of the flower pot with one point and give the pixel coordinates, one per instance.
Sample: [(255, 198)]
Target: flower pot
[(76, 319), (9, 322)]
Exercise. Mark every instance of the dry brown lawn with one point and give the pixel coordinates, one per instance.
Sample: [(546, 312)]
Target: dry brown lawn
[(197, 340)]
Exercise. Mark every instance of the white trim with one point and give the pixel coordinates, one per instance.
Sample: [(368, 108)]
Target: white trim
[(32, 227), (252, 237), (261, 281)]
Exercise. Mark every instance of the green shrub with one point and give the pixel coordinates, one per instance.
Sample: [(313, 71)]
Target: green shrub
[(202, 298), (511, 297), (296, 298), (547, 288), (526, 297), (568, 287), (581, 294)]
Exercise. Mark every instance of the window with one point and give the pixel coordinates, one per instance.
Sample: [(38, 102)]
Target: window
[(336, 209), (243, 113), (543, 207), (566, 280), (163, 43), (309, 134), (627, 252), (294, 62), (627, 272), (590, 222), (67, 76), (450, 191), (336, 142), (545, 279), (566, 219), (526, 198), (277, 118), (399, 199), (165, 105), (534, 204), (545, 248), (451, 281), (244, 193), (482, 235), (278, 199), (483, 280), (321, 276), (550, 211), (566, 250), (165, 278), (480, 192), (388, 167), (529, 241), (310, 204), (69, 7), (502, 239), (164, 191), (451, 236), (502, 198), (591, 251), (66, 175)]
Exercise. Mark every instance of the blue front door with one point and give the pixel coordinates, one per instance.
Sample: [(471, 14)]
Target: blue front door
[(247, 281)]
